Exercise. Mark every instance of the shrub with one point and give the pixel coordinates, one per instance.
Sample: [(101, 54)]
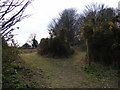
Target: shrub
[(43, 47), (9, 53), (55, 47), (103, 43)]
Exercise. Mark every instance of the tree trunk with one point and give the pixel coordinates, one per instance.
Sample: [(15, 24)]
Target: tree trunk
[(88, 52)]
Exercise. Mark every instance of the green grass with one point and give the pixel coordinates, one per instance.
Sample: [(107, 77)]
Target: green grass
[(66, 72)]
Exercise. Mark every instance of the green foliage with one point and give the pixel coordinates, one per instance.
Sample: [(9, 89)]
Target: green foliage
[(93, 70), (15, 76), (66, 25), (43, 46), (15, 65), (87, 31), (102, 43), (60, 48), (102, 38), (9, 53), (54, 47), (99, 71), (12, 72)]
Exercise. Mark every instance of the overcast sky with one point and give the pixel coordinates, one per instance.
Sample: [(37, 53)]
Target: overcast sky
[(43, 11)]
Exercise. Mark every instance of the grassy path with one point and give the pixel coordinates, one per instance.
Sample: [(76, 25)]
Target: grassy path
[(64, 73)]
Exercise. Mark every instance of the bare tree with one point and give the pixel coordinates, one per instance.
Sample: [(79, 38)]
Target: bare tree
[(30, 38), (11, 12)]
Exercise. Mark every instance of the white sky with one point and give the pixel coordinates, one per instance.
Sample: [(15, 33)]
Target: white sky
[(43, 11)]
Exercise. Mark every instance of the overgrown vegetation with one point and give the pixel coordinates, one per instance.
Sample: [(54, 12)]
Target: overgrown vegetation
[(102, 36), (64, 33), (96, 30), (99, 71), (15, 75), (55, 47)]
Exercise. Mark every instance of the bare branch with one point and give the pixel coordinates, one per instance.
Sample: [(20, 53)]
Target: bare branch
[(7, 18)]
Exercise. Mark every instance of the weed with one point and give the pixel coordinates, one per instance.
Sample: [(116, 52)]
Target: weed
[(99, 71), (15, 65)]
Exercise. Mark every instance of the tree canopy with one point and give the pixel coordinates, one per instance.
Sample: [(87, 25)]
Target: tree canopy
[(102, 35), (65, 26)]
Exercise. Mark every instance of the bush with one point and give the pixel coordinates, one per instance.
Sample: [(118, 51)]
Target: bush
[(54, 47), (103, 44), (43, 47), (9, 53), (100, 71)]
